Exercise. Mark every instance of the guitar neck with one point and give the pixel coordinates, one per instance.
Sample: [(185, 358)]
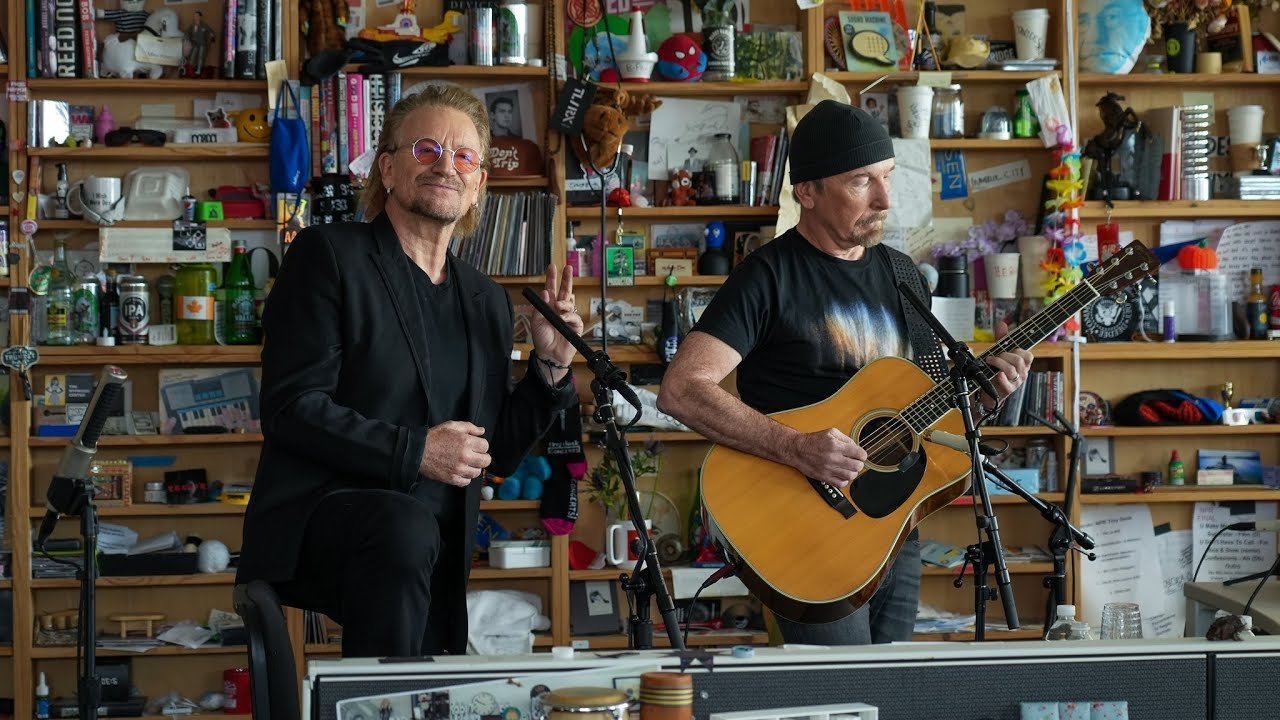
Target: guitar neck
[(935, 403)]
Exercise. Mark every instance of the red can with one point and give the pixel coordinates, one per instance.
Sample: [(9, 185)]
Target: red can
[(1274, 323), (235, 690)]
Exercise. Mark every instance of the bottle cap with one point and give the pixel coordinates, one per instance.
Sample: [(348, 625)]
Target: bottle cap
[(1069, 610), (105, 341), (1169, 308), (42, 687)]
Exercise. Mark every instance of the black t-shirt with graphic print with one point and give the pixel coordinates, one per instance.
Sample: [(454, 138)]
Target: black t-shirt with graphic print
[(804, 321)]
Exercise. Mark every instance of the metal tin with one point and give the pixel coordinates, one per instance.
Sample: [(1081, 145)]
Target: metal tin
[(480, 23), (135, 310), (84, 309), (513, 33), (235, 691), (154, 492)]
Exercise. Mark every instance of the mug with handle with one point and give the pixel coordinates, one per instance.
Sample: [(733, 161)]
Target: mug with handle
[(97, 199), (619, 543)]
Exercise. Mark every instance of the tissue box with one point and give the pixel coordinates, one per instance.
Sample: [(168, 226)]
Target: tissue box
[(519, 553), (1027, 478)]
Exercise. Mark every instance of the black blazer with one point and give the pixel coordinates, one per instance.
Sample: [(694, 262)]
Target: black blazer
[(345, 367)]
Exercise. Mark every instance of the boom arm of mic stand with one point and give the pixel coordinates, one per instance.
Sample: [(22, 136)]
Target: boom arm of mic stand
[(1052, 513)]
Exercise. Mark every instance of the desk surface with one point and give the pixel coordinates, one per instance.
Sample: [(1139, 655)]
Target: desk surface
[(1265, 609)]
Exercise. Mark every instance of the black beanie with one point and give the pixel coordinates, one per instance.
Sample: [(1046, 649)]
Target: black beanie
[(834, 138)]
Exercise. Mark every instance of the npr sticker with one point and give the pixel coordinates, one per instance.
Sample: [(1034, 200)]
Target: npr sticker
[(950, 167), (998, 175)]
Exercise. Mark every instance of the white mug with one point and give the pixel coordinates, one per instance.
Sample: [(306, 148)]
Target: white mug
[(97, 199), (618, 543)]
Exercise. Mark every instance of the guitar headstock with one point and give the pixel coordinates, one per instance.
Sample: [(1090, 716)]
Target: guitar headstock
[(1124, 269)]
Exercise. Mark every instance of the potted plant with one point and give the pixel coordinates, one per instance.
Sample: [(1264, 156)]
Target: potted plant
[(607, 488)]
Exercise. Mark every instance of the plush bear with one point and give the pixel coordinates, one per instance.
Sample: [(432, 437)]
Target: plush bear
[(606, 120), (527, 481)]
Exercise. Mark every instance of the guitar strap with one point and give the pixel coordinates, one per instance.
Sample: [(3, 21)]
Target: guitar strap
[(925, 349)]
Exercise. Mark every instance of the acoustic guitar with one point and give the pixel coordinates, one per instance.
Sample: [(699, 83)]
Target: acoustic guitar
[(814, 553)]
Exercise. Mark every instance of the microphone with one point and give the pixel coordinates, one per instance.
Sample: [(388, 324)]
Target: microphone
[(66, 494), (610, 375), (1259, 526), (955, 442)]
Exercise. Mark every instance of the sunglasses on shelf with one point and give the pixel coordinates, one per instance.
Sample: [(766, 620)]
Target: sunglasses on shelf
[(128, 136), (428, 152)]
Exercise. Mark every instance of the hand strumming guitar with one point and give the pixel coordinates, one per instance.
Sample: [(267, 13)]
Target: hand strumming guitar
[(828, 456)]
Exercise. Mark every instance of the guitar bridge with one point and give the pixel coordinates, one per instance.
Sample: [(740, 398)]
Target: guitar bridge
[(834, 498)]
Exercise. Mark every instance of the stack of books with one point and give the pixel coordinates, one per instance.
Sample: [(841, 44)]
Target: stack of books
[(1254, 187)]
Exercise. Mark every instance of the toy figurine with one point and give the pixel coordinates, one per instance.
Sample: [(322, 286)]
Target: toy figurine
[(682, 192), (200, 36), (680, 58), (129, 19)]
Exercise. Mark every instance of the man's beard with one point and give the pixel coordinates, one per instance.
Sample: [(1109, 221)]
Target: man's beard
[(867, 236), (436, 208)]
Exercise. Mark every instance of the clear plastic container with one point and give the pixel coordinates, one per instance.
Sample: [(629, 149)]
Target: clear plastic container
[(1062, 624), (1080, 631), (723, 164)]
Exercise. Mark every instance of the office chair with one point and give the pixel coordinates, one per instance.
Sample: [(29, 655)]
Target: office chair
[(272, 678)]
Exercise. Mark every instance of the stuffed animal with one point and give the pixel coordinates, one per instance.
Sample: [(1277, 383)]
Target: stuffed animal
[(324, 22), (682, 190), (680, 58), (526, 482), (606, 120)]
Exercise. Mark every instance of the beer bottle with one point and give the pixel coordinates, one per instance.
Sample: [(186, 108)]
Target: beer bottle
[(194, 284), (59, 300), (241, 318), (1256, 306)]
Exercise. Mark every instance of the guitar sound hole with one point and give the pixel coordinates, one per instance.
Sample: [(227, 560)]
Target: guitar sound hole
[(887, 440)]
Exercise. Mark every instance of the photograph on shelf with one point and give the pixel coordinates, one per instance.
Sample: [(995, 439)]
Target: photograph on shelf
[(1245, 465), (112, 482), (211, 399), (1098, 454), (513, 131)]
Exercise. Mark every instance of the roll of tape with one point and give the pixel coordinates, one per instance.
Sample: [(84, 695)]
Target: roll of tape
[(743, 651)]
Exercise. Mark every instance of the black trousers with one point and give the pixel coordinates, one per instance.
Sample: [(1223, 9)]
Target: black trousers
[(372, 560)]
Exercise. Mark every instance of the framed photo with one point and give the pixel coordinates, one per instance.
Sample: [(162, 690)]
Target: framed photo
[(620, 264), (510, 110), (1245, 465), (1098, 456), (112, 483)]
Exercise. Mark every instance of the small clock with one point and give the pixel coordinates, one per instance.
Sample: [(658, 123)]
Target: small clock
[(1110, 319)]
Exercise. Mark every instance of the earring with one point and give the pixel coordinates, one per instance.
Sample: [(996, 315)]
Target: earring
[(388, 189)]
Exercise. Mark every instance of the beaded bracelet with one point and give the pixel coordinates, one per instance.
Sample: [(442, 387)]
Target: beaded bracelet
[(551, 364)]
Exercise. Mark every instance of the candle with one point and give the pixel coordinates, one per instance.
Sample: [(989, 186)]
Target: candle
[(1108, 240)]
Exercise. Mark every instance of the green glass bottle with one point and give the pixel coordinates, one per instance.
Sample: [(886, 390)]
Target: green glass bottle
[(193, 299), (59, 301), (241, 319)]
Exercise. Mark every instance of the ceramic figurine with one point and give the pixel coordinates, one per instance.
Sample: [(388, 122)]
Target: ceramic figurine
[(199, 36)]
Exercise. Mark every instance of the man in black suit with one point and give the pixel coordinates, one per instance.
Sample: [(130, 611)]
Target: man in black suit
[(386, 393)]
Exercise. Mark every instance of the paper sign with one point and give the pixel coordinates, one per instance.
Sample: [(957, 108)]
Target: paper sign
[(156, 245), (950, 167), (956, 315), (1249, 245), (1127, 568), (999, 175), (1234, 554), (934, 79), (910, 196)]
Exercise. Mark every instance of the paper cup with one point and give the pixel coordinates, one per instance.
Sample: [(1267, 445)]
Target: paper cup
[(1244, 125), (1030, 27), (1002, 275), (1032, 249), (1209, 63), (915, 104)]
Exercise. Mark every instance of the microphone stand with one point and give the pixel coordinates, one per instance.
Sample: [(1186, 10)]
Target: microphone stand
[(1063, 538), (70, 494), (645, 582), (965, 366)]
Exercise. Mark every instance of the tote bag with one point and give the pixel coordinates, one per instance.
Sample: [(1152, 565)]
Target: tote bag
[(290, 153)]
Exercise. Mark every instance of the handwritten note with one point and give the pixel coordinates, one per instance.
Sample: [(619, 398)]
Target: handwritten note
[(691, 125), (1127, 568), (910, 204), (1173, 548), (999, 176), (1249, 245), (1233, 554)]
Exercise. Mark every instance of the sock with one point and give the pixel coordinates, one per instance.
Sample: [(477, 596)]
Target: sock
[(559, 508)]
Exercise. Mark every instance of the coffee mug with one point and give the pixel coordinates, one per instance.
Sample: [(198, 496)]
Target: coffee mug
[(97, 199), (620, 543)]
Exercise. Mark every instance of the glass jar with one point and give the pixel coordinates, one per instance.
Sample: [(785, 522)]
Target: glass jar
[(948, 113), (722, 163)]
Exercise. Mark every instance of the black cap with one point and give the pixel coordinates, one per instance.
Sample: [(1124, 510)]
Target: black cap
[(835, 138)]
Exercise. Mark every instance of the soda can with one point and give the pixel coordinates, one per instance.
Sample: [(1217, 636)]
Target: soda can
[(189, 208), (84, 309), (480, 22), (135, 310), (513, 33)]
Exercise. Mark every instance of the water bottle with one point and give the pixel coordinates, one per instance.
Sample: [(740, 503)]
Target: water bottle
[(1062, 624), (1080, 631)]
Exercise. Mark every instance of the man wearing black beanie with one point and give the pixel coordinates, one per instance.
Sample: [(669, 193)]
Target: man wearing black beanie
[(796, 320)]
